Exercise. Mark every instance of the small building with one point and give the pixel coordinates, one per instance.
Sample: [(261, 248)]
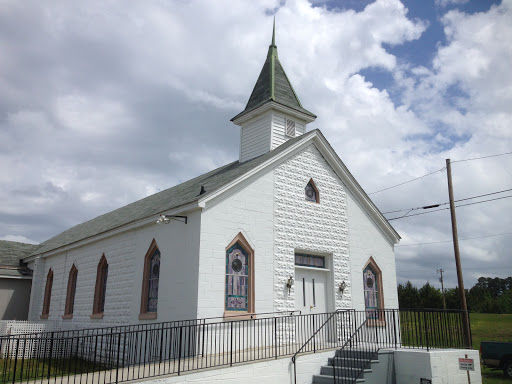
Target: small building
[(15, 280)]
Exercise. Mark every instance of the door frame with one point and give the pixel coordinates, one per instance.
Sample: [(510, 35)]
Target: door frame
[(329, 270)]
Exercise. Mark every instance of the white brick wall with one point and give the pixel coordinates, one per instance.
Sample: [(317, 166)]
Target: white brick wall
[(306, 226), (440, 366), (366, 240), (178, 244), (248, 209)]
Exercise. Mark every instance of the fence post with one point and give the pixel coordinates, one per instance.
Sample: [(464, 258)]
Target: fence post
[(50, 359), (16, 359), (394, 328), (275, 336), (179, 351), (231, 344), (425, 329), (117, 363)]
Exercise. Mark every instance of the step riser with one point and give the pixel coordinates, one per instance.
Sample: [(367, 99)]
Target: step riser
[(329, 371), (355, 354), (348, 363), (330, 380)]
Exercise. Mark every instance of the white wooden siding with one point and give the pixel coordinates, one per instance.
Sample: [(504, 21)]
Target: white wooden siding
[(255, 138), (278, 129)]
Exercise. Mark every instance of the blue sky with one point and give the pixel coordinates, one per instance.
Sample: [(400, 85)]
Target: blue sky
[(101, 105)]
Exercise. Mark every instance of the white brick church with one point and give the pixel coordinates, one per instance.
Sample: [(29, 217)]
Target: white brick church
[(286, 227)]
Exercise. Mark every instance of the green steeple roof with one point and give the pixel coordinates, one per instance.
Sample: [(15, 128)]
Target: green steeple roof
[(273, 85)]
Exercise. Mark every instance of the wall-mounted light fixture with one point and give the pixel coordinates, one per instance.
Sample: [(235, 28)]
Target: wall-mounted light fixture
[(166, 219), (342, 287), (289, 284)]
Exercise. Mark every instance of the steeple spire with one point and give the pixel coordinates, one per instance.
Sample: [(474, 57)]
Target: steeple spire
[(272, 48), (273, 85)]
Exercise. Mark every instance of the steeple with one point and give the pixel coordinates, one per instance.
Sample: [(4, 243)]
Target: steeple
[(273, 85), (273, 113)]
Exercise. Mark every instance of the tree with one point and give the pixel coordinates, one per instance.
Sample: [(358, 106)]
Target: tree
[(430, 297), (408, 296)]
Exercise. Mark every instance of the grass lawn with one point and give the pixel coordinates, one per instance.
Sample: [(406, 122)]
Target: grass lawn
[(491, 327)]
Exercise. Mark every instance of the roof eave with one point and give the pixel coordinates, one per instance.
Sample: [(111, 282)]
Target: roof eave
[(271, 104)]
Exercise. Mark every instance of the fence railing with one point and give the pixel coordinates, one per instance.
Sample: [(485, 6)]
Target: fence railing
[(126, 353), (366, 332)]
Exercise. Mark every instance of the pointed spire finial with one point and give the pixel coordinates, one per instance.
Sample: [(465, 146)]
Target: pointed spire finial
[(274, 32)]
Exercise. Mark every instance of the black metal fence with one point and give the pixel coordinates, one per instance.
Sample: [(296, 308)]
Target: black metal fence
[(366, 332), (119, 354)]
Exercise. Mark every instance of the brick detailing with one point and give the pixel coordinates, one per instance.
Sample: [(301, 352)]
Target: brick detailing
[(308, 226)]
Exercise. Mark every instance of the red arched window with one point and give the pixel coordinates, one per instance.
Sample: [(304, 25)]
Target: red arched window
[(150, 279), (98, 306), (47, 295), (70, 296)]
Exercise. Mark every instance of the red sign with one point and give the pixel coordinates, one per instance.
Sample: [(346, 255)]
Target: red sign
[(467, 364)]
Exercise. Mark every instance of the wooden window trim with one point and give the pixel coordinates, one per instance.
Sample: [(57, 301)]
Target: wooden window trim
[(99, 288), (47, 295), (371, 263), (70, 294), (317, 192), (144, 314), (237, 315)]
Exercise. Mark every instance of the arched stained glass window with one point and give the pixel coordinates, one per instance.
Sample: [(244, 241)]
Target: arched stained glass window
[(237, 278), (150, 280), (100, 289), (372, 284), (311, 192), (70, 295), (154, 274), (47, 295)]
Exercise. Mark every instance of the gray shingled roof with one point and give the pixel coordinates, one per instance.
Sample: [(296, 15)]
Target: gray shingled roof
[(11, 252), (273, 85), (153, 205)]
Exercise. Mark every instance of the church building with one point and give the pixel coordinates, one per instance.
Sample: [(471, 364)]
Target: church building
[(286, 227)]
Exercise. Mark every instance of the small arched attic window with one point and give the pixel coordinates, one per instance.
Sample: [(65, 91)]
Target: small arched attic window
[(311, 192)]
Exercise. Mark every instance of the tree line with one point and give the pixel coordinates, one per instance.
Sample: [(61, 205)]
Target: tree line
[(488, 295)]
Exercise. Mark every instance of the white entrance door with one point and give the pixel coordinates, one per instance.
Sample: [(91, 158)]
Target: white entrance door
[(310, 291)]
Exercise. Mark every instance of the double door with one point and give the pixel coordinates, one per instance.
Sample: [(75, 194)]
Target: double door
[(310, 291)]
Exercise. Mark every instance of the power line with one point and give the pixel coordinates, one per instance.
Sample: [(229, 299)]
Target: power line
[(439, 170), (457, 206), (439, 204), (409, 181), (483, 157), (449, 241)]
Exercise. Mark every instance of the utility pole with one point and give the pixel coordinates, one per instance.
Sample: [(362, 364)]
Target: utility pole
[(442, 287), (463, 304)]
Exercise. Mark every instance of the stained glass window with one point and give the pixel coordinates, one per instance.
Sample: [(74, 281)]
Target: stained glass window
[(101, 286), (311, 192), (154, 274), (104, 288), (237, 278), (371, 293)]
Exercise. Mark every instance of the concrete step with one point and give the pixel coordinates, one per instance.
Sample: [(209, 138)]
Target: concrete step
[(348, 362), (324, 379), (358, 354), (343, 371)]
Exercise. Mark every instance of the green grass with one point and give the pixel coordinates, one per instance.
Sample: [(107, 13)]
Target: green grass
[(37, 368), (491, 327)]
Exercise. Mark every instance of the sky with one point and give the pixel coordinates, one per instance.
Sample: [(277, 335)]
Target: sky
[(103, 103)]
